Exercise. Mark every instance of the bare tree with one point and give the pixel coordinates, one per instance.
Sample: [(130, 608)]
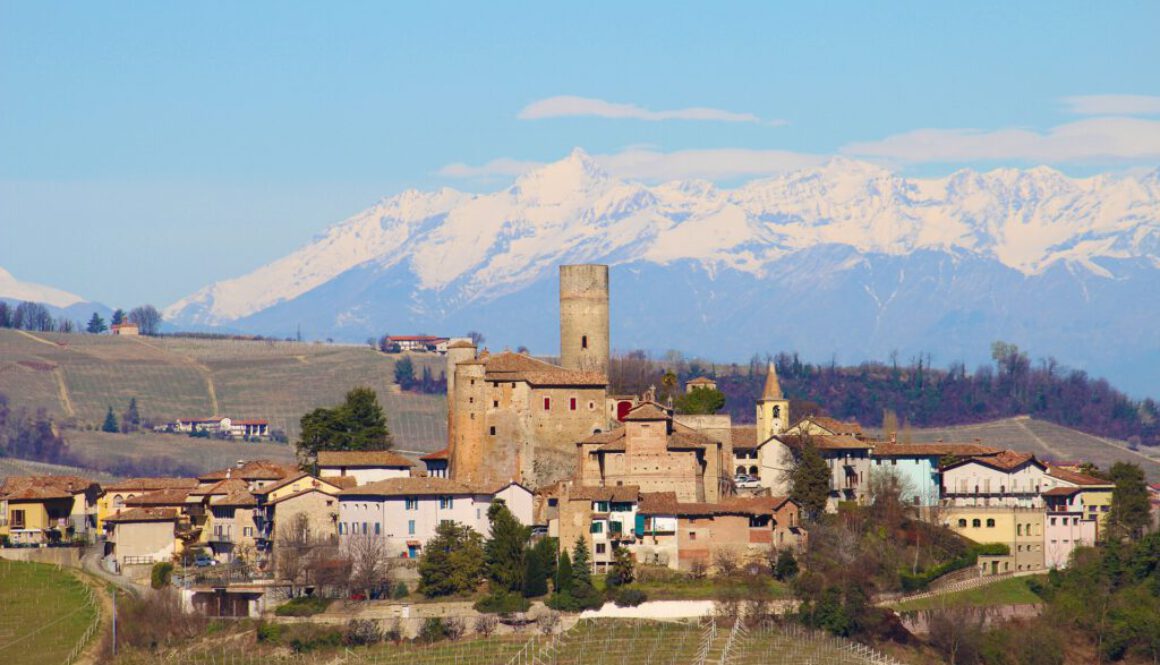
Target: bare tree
[(370, 562), (957, 631), (147, 319)]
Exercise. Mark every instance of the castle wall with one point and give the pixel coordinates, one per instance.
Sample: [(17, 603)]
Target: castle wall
[(584, 318)]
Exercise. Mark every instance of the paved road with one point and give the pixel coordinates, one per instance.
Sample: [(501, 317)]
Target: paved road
[(91, 564)]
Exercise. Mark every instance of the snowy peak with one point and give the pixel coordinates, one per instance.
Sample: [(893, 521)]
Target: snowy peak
[(14, 289), (474, 248)]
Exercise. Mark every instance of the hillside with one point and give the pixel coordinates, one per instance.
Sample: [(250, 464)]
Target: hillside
[(845, 257), (77, 377), (1046, 440)]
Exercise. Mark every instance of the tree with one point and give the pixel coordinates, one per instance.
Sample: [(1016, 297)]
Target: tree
[(535, 578), (704, 401), (147, 319), (476, 337), (563, 583), (623, 571), (356, 424), (405, 373), (1130, 511), (786, 567), (110, 424), (506, 548), (96, 325), (118, 317), (810, 480), (370, 563), (132, 419), (5, 315), (581, 565), (452, 562)]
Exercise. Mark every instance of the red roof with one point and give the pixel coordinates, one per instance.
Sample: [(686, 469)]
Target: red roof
[(444, 454)]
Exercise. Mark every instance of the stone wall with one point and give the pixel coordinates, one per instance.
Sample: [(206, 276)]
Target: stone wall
[(584, 318)]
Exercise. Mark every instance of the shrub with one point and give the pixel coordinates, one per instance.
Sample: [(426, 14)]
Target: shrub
[(548, 621), (502, 603), (630, 597), (303, 606), (400, 591), (786, 567), (160, 575), (485, 624), (361, 632), (270, 632), (454, 627), (433, 630), (304, 637)]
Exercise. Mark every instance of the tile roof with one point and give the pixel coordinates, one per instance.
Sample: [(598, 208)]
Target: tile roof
[(1061, 491), (744, 437), (240, 498), (43, 487), (421, 485), (260, 469), (145, 515), (824, 442), (221, 488), (681, 437), (150, 484), (835, 426), (1076, 478), (647, 412), (1006, 460), (362, 458), (772, 388), (343, 482), (933, 449), (165, 497), (444, 454), (297, 494), (508, 366), (595, 493), (461, 344)]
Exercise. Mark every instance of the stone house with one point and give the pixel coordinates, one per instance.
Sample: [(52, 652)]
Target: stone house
[(605, 517)]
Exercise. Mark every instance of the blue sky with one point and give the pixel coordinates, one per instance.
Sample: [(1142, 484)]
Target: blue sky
[(146, 151)]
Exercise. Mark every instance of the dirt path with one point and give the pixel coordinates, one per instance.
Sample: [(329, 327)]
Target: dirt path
[(1021, 423), (62, 392), (92, 653), (192, 362)]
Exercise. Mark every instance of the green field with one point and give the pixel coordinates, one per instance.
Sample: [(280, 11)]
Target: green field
[(1046, 440), (1011, 591), (77, 377), (44, 613)]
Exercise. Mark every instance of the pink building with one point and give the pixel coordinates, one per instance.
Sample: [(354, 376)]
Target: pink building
[(405, 512)]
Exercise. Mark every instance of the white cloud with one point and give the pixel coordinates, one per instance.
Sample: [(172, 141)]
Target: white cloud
[(1093, 140), (639, 163), (1113, 104), (567, 106)]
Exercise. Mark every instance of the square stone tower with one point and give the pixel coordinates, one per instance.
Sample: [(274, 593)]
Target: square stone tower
[(584, 318)]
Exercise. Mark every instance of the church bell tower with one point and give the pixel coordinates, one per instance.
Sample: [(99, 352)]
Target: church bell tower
[(772, 408)]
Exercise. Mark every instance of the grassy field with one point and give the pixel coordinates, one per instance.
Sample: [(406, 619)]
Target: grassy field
[(45, 613), (77, 377), (1046, 440), (18, 467), (1011, 591)]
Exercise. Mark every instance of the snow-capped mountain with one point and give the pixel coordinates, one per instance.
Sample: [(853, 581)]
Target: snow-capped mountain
[(845, 258), (14, 289)]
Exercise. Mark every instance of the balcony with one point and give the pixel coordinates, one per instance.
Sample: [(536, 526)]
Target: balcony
[(224, 538)]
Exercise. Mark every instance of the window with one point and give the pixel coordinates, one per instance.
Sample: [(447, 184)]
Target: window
[(572, 404), (491, 430), (962, 524), (1018, 529), (692, 535), (248, 531), (341, 528), (446, 502), (753, 471), (976, 523), (118, 501), (893, 462), (776, 411), (17, 519), (412, 503), (378, 529), (547, 403), (1053, 523), (410, 527), (364, 529), (591, 405), (601, 506), (445, 522), (597, 527), (600, 548), (584, 341), (495, 403), (990, 522)]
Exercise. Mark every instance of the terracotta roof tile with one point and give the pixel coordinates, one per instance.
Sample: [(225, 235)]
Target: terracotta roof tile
[(595, 493), (1075, 477), (45, 487), (444, 454), (824, 442), (262, 469), (221, 488), (297, 494), (145, 515), (1006, 460), (647, 412), (837, 426), (933, 449), (150, 484), (165, 497), (362, 458), (415, 486), (665, 503), (508, 366), (744, 438), (240, 498)]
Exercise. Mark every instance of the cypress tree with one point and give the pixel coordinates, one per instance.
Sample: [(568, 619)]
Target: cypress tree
[(535, 575), (811, 481), (506, 548), (564, 573), (110, 424), (132, 417)]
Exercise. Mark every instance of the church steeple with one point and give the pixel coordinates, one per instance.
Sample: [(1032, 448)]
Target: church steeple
[(772, 408)]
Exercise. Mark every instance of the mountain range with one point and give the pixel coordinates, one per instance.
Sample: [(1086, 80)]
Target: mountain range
[(847, 260)]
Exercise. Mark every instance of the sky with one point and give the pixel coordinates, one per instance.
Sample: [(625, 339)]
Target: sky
[(151, 149)]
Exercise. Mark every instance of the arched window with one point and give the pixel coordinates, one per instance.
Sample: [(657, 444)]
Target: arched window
[(740, 471), (753, 471), (1018, 529), (976, 523), (990, 522), (776, 411), (962, 524), (118, 501)]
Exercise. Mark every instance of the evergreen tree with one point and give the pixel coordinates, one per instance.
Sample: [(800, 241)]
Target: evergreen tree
[(811, 481), (546, 548), (118, 317), (405, 373), (787, 566), (581, 565), (563, 583), (706, 401), (96, 325), (623, 570), (506, 549), (357, 424), (1130, 511), (452, 562), (132, 419), (535, 574), (110, 424)]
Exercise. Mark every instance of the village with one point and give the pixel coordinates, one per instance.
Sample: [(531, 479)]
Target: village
[(576, 484)]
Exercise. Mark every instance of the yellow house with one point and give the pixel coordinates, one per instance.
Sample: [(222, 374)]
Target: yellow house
[(290, 489), (43, 509), (1020, 529), (115, 495)]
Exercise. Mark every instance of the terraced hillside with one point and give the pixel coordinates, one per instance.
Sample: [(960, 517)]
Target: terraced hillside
[(1047, 440), (77, 377)]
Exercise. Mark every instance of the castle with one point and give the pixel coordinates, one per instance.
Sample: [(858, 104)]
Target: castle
[(514, 417)]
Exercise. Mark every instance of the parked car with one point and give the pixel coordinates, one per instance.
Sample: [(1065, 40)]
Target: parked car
[(204, 561)]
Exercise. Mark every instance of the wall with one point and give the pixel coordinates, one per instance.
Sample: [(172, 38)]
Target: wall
[(392, 515), (919, 474), (1062, 534), (316, 506), (148, 540), (364, 475), (584, 316), (1017, 488)]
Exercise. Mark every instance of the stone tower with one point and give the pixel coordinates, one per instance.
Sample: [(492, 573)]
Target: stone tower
[(458, 351), (772, 408), (584, 336)]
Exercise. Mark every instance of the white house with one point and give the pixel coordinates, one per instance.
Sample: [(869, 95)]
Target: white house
[(406, 511), (1007, 479), (364, 466)]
